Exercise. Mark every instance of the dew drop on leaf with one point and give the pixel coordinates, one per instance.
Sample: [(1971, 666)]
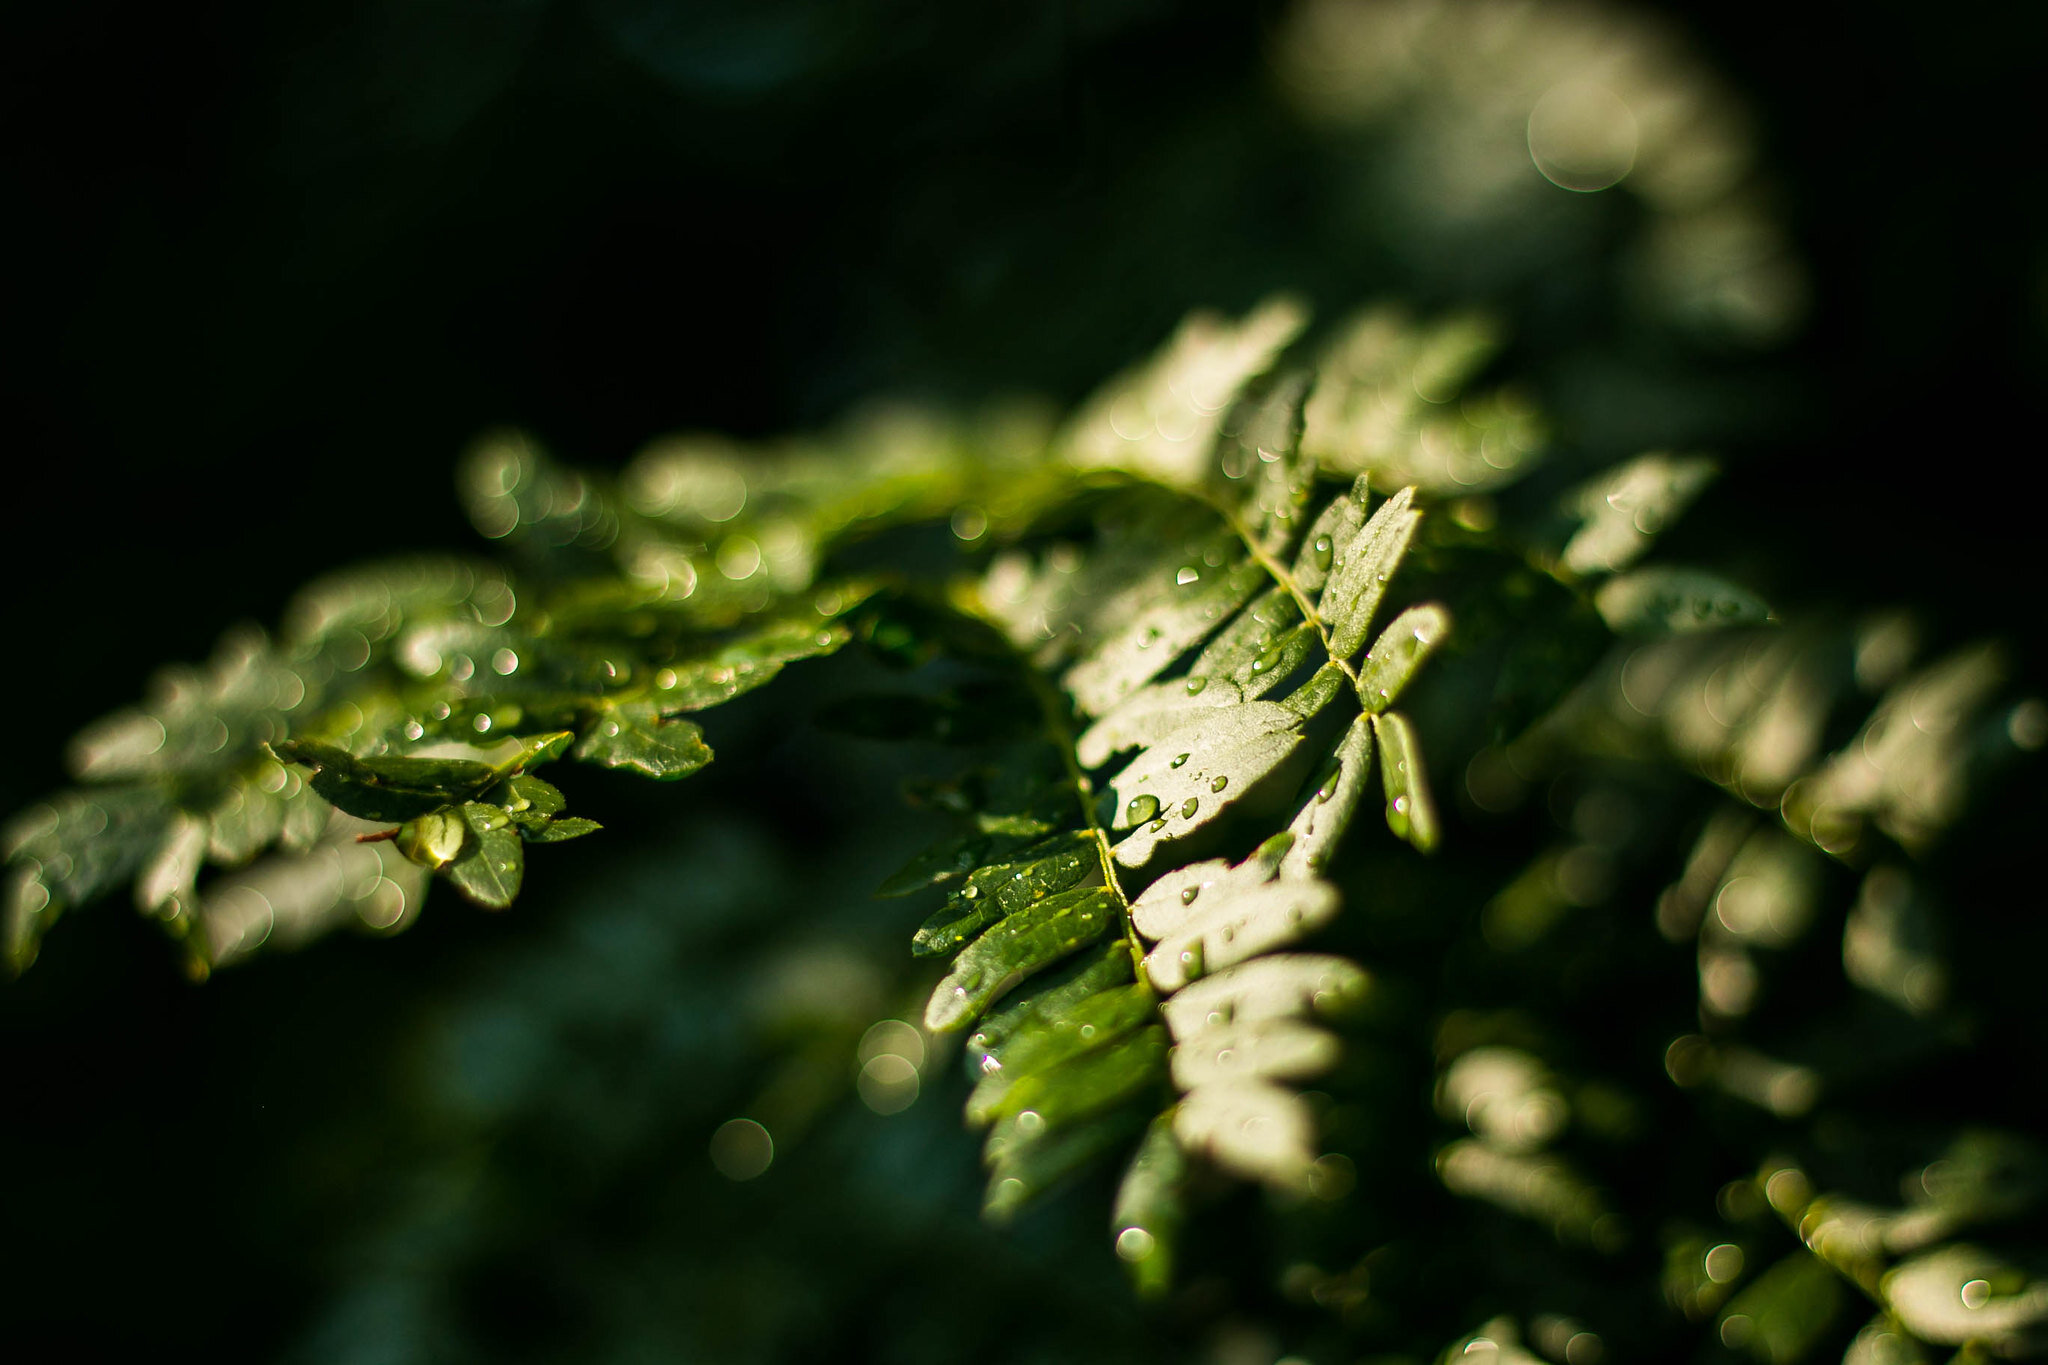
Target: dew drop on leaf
[(1189, 807), (1142, 808), (1219, 784), (1178, 760)]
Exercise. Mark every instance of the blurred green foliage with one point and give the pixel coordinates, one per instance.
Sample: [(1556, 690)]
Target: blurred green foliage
[(1704, 1036)]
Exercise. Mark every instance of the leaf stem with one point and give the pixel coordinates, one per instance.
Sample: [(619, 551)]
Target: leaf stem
[(1052, 708)]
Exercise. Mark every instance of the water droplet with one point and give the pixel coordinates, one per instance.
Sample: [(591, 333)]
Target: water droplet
[(1268, 659), (1219, 784), (1187, 897), (1322, 552), (970, 892), (413, 729), (1178, 760), (482, 723), (1135, 1244), (1196, 684), (1142, 808), (1157, 825), (1146, 640), (611, 729), (1401, 805), (1187, 576), (1189, 807)]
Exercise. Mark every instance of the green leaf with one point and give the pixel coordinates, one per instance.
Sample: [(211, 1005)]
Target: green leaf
[(1252, 1050), (1211, 915), (1949, 1296), (1259, 455), (1260, 648), (1087, 1083), (1360, 569), (1402, 648), (1030, 1156), (1251, 1129), (1411, 815), (1041, 1009), (634, 734), (1669, 601), (1783, 1313), (1330, 800), (1055, 1036), (1194, 599), (1625, 509), (1160, 419), (72, 849), (1274, 986), (1002, 888), (1191, 776), (1384, 402), (1151, 1207), (746, 662), (556, 831), (526, 793), (388, 788), (1025, 942), (493, 861)]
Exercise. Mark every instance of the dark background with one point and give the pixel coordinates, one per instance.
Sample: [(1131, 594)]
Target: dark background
[(273, 266)]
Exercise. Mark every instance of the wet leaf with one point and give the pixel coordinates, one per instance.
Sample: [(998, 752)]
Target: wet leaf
[(556, 831), (1041, 1007), (633, 734), (1400, 651), (1360, 570), (1410, 813), (1191, 776), (1050, 1040), (1001, 888), (1194, 599), (1151, 1208), (1332, 796), (1257, 1131), (1668, 601), (1253, 1050), (1274, 986), (493, 862), (388, 788), (1027, 941)]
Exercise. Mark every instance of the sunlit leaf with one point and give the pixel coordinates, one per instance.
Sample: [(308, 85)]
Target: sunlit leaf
[(1623, 510), (1400, 651), (1660, 601), (1361, 566), (635, 735)]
